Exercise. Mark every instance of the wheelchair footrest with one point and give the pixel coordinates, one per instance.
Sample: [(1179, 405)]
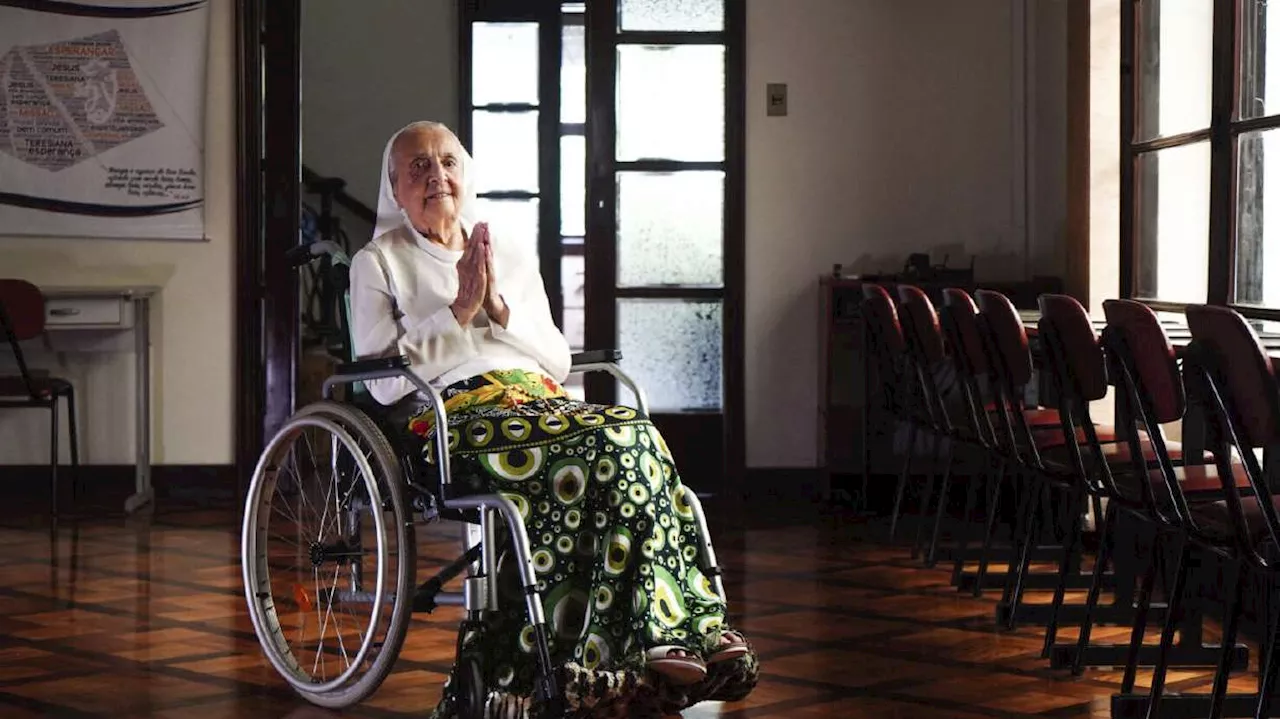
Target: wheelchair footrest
[(424, 600)]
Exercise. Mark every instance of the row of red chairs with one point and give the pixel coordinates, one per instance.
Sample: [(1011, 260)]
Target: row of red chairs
[(1189, 508)]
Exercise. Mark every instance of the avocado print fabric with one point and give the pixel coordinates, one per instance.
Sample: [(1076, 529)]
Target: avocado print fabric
[(614, 543)]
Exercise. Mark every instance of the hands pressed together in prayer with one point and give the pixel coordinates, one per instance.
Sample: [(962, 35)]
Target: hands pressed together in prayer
[(477, 282)]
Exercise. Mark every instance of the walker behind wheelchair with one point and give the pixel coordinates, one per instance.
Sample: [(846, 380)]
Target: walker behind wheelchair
[(332, 604)]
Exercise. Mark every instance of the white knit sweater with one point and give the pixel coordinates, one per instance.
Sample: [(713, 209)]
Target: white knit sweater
[(401, 288)]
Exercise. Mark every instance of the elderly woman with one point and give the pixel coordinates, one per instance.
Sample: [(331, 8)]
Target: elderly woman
[(629, 608)]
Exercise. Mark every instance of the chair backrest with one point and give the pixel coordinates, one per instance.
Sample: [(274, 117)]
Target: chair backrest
[(1227, 360), (961, 315), (922, 324), (1008, 336), (1149, 387), (1154, 362), (882, 319), (1081, 351), (23, 306), (1078, 367), (21, 318), (1244, 367)]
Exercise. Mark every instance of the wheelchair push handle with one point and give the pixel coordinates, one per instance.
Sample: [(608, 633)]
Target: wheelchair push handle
[(301, 255)]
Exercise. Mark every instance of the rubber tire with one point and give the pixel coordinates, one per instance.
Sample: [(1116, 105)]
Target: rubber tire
[(470, 695), (387, 465)]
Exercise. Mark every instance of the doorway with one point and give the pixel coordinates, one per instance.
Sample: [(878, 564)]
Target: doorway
[(616, 130), (611, 135)]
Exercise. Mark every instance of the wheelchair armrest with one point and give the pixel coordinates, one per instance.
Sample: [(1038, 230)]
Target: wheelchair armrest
[(596, 357), (378, 364), (608, 361)]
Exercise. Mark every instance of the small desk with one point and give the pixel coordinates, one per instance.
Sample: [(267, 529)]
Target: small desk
[(72, 308), (90, 301)]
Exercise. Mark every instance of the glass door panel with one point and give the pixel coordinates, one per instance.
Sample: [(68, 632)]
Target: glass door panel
[(504, 63), (573, 185), (656, 224), (670, 102), (512, 220), (573, 70), (671, 229), (673, 350), (505, 150), (672, 15)]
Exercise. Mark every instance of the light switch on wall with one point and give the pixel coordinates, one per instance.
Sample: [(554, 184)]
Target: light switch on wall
[(776, 94)]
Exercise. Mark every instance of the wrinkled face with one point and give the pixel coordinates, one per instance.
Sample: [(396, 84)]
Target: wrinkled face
[(427, 178)]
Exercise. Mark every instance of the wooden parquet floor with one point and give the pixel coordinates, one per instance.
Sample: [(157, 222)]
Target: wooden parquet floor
[(145, 617)]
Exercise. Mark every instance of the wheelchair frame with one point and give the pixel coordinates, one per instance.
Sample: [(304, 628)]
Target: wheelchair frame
[(481, 556)]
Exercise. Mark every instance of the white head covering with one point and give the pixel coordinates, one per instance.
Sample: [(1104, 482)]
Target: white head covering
[(391, 216)]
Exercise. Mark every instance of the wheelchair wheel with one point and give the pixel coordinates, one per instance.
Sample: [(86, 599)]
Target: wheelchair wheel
[(329, 554)]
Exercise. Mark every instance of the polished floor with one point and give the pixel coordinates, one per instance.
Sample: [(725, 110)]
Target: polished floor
[(144, 617)]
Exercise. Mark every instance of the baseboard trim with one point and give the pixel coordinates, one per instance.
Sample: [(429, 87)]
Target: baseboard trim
[(195, 481)]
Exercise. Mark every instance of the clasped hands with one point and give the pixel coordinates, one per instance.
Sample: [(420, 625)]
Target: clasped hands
[(477, 282)]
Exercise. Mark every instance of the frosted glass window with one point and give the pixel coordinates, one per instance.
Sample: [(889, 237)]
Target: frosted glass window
[(505, 149), (573, 288), (673, 349), (511, 221), (672, 15), (573, 74), (670, 228), (504, 63), (573, 185), (671, 102)]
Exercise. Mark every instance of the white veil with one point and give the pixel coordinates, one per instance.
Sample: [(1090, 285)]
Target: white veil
[(390, 214)]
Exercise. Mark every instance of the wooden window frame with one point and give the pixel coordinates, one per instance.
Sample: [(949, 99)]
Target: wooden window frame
[(1222, 134)]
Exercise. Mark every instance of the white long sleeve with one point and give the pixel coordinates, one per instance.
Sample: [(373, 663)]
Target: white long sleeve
[(402, 287), (530, 327)]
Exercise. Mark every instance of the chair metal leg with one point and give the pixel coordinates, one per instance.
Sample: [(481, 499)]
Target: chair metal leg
[(902, 481), (1024, 539), (1078, 502), (1139, 632), (927, 496), (1171, 622), (1106, 534), (1229, 631), (74, 437), (931, 557), (53, 457), (1267, 668), (962, 533), (993, 508)]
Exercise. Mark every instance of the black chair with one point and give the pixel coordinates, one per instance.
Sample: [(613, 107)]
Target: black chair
[(22, 315)]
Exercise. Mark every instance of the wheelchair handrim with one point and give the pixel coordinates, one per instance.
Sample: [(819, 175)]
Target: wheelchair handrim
[(255, 569)]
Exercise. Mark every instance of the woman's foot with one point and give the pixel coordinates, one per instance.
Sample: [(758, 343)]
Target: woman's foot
[(732, 646), (676, 664)]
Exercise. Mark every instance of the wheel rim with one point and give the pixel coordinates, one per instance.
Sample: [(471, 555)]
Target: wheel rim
[(302, 605)]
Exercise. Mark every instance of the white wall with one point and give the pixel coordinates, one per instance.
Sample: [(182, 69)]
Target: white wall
[(903, 135), (368, 69), (1047, 135), (193, 341)]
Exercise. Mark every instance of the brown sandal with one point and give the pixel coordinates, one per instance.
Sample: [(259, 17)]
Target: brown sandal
[(677, 664), (732, 646)]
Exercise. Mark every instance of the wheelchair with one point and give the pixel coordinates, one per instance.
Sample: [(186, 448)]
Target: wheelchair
[(354, 575)]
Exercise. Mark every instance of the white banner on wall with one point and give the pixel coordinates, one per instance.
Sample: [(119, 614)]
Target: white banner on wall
[(102, 118)]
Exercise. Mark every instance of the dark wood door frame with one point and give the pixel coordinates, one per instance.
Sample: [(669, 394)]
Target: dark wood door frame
[(268, 181), (601, 290)]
